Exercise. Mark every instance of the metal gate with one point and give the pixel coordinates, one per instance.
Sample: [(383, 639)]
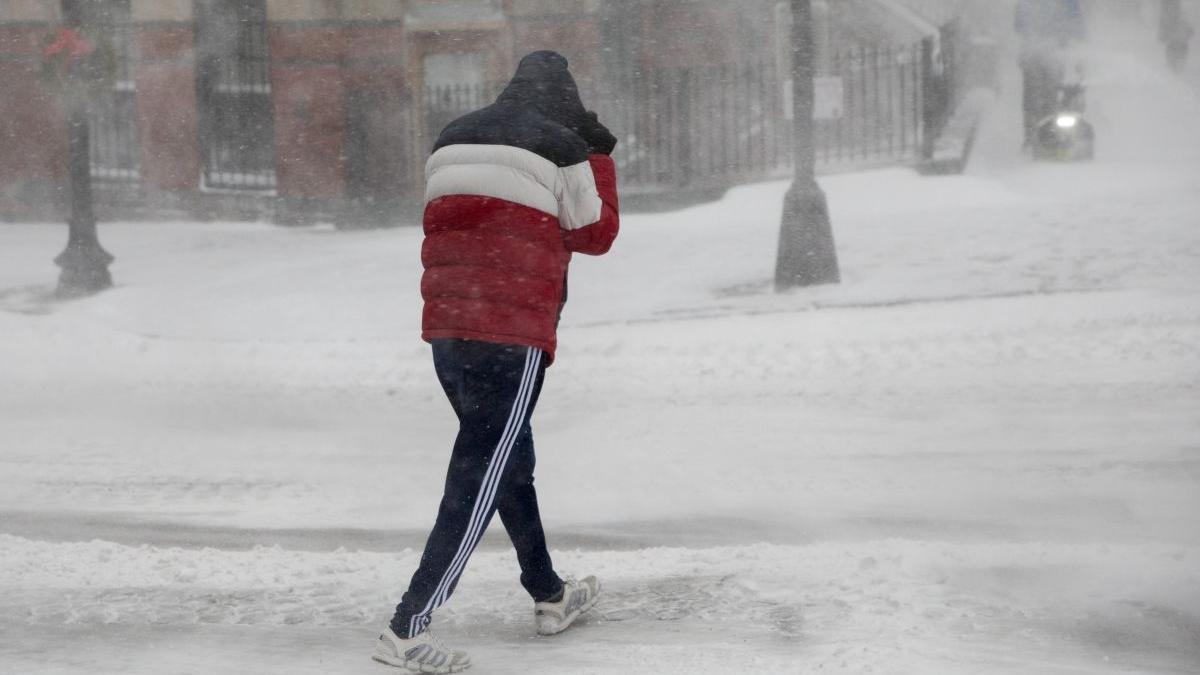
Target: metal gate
[(112, 116), (233, 80)]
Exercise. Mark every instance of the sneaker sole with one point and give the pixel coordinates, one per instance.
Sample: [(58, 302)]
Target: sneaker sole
[(389, 660), (570, 619)]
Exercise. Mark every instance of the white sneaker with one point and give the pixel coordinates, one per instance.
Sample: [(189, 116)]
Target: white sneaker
[(577, 598), (424, 653)]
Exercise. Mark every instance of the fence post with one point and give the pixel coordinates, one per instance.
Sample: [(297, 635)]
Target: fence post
[(682, 129), (930, 99)]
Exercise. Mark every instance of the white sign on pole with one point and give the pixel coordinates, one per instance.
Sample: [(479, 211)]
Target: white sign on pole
[(830, 95)]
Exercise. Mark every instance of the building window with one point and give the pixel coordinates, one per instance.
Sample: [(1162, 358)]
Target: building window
[(454, 69), (237, 122), (112, 116)]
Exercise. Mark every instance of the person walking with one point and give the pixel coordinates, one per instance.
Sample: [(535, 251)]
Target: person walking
[(512, 191)]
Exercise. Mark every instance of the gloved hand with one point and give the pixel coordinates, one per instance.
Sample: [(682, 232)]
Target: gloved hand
[(599, 139)]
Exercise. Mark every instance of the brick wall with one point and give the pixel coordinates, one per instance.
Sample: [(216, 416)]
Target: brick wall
[(168, 126), (32, 121), (308, 88)]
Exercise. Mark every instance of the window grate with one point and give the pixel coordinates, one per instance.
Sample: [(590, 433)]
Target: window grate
[(233, 79), (112, 115)]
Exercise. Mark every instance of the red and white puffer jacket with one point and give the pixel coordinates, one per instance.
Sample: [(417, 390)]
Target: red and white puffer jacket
[(501, 223)]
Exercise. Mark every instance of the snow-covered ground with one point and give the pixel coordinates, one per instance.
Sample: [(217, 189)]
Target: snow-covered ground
[(980, 453)]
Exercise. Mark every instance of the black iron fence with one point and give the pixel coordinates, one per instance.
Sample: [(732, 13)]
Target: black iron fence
[(698, 128), (726, 124), (692, 127), (882, 121), (719, 125), (441, 105)]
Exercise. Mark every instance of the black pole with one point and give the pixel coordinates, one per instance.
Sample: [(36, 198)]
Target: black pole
[(84, 262), (807, 255)]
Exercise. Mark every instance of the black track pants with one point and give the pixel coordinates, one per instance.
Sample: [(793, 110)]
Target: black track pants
[(493, 389)]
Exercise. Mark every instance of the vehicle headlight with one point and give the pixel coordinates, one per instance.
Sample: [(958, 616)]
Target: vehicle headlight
[(1066, 121)]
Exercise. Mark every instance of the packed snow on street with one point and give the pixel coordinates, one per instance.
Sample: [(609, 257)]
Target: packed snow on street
[(979, 453)]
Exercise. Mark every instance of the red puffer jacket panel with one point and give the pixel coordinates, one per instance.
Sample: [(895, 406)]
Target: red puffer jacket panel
[(501, 224)]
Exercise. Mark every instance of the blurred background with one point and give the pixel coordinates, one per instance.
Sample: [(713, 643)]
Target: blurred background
[(977, 453), (303, 110)]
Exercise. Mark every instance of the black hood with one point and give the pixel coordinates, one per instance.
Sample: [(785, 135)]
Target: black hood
[(542, 82), (539, 111)]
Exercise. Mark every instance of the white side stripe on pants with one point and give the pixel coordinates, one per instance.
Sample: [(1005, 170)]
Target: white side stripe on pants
[(491, 482), (487, 491)]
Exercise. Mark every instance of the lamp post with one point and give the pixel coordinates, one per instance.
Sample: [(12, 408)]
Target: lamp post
[(84, 262), (806, 255)]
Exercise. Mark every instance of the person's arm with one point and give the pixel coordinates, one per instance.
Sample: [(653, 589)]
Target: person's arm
[(597, 237)]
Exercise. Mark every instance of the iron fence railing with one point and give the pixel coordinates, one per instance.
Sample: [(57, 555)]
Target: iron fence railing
[(682, 128), (883, 96), (441, 105), (718, 125)]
